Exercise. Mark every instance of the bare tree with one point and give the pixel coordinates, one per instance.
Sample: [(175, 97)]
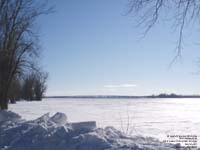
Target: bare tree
[(27, 87), (179, 12), (40, 85), (18, 42), (34, 86)]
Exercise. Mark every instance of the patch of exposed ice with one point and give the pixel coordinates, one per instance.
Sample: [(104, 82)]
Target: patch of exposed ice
[(55, 133)]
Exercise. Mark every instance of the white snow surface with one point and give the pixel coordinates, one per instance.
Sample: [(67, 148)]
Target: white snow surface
[(147, 117), (56, 133)]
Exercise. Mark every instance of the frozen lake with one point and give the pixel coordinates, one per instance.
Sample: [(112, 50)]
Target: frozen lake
[(148, 117)]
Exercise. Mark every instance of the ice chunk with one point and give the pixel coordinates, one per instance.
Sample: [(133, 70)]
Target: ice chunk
[(91, 141), (90, 125), (43, 118), (59, 118)]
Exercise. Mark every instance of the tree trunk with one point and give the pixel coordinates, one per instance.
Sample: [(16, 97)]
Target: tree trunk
[(4, 104), (3, 98), (3, 101)]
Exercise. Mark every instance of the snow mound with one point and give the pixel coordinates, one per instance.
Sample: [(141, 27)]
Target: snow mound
[(8, 116), (56, 133)]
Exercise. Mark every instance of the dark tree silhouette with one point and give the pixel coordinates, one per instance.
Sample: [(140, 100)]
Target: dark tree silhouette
[(27, 87), (34, 86), (14, 93), (40, 85), (18, 42), (179, 12)]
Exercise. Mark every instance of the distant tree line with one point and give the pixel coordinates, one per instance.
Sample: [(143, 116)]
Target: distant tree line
[(19, 51)]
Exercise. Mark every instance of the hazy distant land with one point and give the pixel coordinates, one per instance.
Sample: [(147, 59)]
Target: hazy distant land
[(126, 96)]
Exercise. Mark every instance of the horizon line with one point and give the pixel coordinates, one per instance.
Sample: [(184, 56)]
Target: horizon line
[(139, 96)]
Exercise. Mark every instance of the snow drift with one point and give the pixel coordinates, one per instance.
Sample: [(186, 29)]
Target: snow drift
[(56, 133)]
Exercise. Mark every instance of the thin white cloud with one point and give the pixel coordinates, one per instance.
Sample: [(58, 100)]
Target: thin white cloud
[(121, 86), (128, 85)]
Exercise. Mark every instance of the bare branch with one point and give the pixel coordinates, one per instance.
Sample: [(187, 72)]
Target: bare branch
[(181, 12)]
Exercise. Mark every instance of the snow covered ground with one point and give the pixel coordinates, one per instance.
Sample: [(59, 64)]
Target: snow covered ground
[(143, 117), (56, 133)]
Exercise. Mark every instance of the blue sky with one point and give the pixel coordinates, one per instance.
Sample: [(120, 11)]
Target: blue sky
[(92, 48)]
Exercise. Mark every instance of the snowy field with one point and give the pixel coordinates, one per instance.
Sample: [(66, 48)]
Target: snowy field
[(148, 117)]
